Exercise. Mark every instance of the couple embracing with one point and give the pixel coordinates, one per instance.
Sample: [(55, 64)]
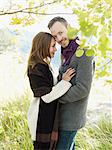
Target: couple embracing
[(58, 109)]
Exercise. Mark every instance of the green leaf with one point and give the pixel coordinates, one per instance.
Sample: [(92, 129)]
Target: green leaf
[(89, 52), (82, 42), (72, 32), (79, 53), (104, 44), (103, 73), (16, 21)]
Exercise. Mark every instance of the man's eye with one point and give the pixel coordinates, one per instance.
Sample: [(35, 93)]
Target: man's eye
[(60, 33)]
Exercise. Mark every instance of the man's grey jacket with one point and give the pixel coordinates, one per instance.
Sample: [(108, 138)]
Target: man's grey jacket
[(73, 105)]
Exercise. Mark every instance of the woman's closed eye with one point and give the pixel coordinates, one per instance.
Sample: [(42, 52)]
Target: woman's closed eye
[(53, 45)]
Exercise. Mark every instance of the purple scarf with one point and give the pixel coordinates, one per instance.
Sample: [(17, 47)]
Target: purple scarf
[(69, 51)]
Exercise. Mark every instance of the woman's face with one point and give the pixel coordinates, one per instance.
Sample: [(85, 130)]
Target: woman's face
[(53, 48)]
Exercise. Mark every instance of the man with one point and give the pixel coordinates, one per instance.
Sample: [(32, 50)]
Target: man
[(73, 105)]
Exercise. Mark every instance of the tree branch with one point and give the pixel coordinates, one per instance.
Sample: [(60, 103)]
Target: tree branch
[(25, 10), (31, 12)]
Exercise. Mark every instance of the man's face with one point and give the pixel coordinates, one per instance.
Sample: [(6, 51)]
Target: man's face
[(59, 32)]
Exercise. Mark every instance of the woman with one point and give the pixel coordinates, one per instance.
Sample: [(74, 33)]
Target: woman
[(43, 111)]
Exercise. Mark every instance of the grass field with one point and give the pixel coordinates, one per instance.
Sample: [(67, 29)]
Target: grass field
[(14, 133)]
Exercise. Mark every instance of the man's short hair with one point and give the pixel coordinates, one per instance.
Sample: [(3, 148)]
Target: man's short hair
[(57, 19)]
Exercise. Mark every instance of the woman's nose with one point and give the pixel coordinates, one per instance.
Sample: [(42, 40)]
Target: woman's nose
[(55, 49)]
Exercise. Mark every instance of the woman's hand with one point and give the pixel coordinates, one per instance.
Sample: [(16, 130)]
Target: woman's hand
[(68, 74)]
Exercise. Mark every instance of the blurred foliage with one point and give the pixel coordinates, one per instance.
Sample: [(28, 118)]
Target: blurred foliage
[(95, 23)]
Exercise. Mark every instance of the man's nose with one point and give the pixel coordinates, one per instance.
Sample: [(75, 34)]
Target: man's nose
[(59, 38)]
